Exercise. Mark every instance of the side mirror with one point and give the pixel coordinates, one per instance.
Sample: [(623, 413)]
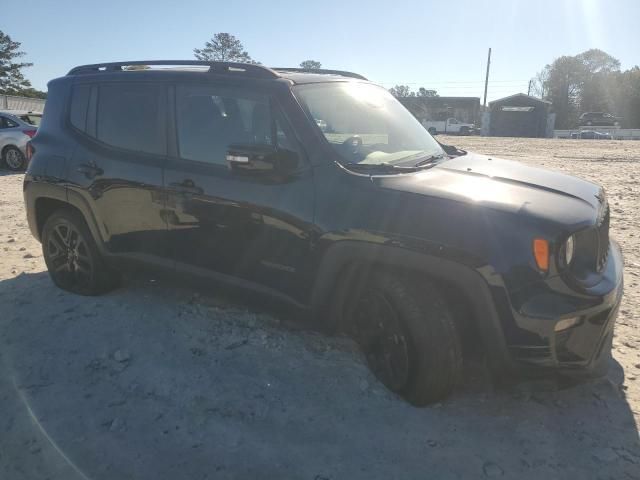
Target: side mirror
[(261, 159)]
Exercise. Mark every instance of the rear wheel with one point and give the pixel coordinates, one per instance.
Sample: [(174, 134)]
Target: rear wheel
[(408, 337), (72, 257), (13, 158), (432, 130)]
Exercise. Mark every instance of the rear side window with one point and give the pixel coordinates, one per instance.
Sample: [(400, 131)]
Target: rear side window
[(79, 106), (7, 123), (132, 117)]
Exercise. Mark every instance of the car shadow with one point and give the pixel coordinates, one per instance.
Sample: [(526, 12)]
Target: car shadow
[(155, 381), (4, 172)]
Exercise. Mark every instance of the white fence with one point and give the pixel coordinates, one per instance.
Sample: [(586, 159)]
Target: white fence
[(616, 133), (10, 102)]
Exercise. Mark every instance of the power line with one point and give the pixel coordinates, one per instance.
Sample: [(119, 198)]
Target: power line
[(399, 82)]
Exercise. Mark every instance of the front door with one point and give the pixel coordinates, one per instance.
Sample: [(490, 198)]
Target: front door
[(254, 228)]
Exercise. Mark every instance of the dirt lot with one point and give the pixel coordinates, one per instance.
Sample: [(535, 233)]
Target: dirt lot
[(156, 381)]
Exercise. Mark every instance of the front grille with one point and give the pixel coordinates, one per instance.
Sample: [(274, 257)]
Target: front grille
[(603, 238)]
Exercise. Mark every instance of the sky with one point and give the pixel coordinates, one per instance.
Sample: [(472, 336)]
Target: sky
[(439, 45)]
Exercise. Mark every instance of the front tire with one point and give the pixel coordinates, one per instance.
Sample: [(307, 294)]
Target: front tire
[(13, 158), (408, 336), (72, 257)]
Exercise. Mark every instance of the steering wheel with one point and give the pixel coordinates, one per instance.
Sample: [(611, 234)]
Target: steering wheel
[(353, 144)]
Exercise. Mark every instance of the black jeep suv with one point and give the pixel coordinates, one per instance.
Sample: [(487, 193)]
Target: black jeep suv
[(320, 189)]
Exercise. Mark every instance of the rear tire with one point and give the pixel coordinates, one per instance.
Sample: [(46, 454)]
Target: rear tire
[(432, 131), (72, 257), (13, 158), (408, 336)]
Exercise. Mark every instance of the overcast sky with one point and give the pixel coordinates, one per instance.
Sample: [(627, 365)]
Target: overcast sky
[(436, 44)]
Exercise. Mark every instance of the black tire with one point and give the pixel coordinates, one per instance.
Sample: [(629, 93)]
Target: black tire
[(13, 158), (72, 258), (432, 131), (417, 354), (464, 130)]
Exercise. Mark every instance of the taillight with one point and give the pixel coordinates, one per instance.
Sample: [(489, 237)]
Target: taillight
[(30, 151), (31, 133)]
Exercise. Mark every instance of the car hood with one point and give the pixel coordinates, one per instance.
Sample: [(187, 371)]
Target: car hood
[(504, 185)]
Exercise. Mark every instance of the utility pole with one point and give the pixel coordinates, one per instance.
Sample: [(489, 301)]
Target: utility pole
[(486, 80), (529, 91)]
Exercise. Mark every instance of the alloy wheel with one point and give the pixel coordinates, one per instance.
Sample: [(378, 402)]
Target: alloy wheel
[(68, 256), (379, 332), (13, 159)]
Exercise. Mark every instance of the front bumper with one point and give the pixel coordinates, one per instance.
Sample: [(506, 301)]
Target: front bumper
[(585, 346)]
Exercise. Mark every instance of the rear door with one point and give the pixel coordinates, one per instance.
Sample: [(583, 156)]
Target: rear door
[(254, 228), (117, 167)]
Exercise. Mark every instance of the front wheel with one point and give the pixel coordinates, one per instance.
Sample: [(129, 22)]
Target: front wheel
[(72, 257), (408, 337), (13, 158)]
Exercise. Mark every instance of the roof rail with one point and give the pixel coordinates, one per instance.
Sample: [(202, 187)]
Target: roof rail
[(321, 71), (250, 69)]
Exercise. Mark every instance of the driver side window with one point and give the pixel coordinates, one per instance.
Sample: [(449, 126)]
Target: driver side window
[(210, 119)]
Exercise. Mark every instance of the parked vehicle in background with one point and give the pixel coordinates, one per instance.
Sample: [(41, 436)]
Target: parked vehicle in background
[(451, 126), (598, 119), (321, 190), (16, 129), (591, 135)]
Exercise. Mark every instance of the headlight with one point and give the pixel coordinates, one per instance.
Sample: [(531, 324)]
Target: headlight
[(569, 248)]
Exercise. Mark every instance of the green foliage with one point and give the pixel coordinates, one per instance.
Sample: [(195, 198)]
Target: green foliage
[(12, 81), (404, 91), (223, 47), (423, 92), (590, 82), (311, 65)]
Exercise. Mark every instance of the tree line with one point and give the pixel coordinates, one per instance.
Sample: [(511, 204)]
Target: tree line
[(591, 81)]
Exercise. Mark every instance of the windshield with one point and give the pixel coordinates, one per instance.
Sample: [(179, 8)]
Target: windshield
[(365, 124)]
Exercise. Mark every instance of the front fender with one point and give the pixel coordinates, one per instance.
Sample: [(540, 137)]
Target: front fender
[(340, 257)]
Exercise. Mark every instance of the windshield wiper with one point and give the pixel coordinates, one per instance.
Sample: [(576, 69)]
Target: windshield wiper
[(384, 167), (430, 159)]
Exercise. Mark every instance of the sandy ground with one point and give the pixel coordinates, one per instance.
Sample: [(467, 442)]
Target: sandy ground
[(159, 381)]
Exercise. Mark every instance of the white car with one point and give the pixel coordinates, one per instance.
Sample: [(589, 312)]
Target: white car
[(16, 129)]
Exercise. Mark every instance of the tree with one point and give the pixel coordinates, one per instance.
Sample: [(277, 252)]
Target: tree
[(423, 92), (539, 82), (223, 47), (311, 65), (12, 81), (577, 84), (401, 91)]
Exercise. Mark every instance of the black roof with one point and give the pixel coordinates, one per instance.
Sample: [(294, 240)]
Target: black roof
[(245, 70)]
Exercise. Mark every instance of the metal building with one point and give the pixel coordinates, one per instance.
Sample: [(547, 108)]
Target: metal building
[(520, 115)]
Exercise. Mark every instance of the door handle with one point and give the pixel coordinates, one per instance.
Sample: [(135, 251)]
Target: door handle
[(90, 170), (186, 186)]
